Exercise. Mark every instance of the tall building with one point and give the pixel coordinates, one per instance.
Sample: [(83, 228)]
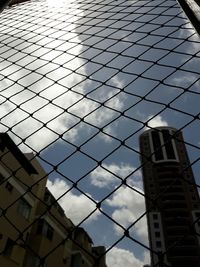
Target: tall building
[(172, 199), (34, 230)]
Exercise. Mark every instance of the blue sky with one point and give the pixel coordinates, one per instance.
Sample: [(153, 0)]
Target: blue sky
[(94, 75)]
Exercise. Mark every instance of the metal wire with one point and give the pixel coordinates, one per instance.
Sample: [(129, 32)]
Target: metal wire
[(80, 81)]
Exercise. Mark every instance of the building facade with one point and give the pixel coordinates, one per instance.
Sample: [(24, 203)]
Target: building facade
[(34, 230), (172, 199)]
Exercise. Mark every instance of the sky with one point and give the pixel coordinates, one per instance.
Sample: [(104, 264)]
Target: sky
[(80, 81)]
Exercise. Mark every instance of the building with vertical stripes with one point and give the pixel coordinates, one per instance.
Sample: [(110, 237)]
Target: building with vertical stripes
[(172, 199)]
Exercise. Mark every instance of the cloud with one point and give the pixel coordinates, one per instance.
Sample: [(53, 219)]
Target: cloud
[(146, 256), (117, 82), (186, 79), (105, 176), (129, 206), (43, 96), (121, 257), (112, 101), (108, 132), (156, 121), (189, 33), (33, 93), (76, 207)]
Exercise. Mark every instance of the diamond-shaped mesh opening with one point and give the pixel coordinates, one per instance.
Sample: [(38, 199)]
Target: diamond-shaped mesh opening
[(80, 82)]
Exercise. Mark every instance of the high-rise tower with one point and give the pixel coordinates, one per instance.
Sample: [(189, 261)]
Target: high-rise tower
[(172, 199)]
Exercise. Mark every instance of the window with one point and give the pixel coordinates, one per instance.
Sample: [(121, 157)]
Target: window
[(156, 225), (155, 216), (33, 261), (24, 208), (9, 247), (61, 211), (1, 178), (47, 197), (157, 145), (163, 145), (168, 144), (157, 234), (76, 259), (158, 244), (45, 229), (9, 187)]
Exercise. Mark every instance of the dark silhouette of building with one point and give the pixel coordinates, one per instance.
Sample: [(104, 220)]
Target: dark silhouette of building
[(172, 199)]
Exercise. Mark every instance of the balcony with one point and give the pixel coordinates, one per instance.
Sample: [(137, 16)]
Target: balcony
[(172, 196), (189, 251), (176, 213), (177, 230), (185, 261), (172, 189), (167, 177), (169, 168), (174, 205), (176, 221), (167, 182), (186, 241)]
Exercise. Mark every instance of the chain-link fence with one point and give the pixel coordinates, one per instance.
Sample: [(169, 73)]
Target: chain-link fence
[(80, 81)]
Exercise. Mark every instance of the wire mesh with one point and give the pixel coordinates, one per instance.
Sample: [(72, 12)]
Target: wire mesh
[(80, 81)]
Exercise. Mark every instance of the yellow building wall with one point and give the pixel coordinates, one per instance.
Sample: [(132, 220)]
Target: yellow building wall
[(55, 251)]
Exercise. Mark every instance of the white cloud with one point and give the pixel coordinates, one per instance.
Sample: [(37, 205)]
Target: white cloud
[(114, 99), (187, 80), (146, 256), (117, 82), (108, 132), (30, 91), (129, 206), (76, 207), (156, 121), (121, 257), (105, 176), (193, 45)]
